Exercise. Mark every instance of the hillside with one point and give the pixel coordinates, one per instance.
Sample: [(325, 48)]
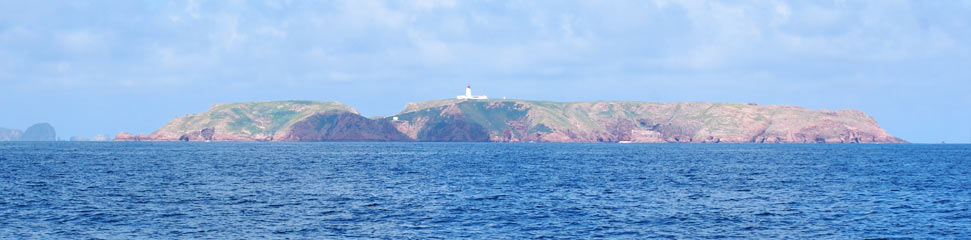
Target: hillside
[(610, 121), (246, 121)]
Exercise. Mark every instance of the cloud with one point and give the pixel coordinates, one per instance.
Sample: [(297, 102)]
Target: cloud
[(197, 41), (226, 35), (272, 31), (370, 13), (433, 4), (189, 12), (431, 50), (82, 40)]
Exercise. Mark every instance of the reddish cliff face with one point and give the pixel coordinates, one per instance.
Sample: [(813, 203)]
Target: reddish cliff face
[(453, 130), (343, 126)]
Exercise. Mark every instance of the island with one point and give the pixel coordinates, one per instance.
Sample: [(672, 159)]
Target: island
[(501, 120), (37, 132)]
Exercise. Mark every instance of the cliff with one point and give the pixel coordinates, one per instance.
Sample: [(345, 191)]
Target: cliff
[(343, 126), (523, 120), (541, 121)]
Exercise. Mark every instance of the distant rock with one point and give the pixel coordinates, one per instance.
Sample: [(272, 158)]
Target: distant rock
[(124, 136), (39, 132), (79, 139), (10, 134), (207, 133), (98, 138), (101, 138)]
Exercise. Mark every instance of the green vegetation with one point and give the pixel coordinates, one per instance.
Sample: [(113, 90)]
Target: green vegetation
[(250, 119), (416, 106), (494, 116), (539, 128)]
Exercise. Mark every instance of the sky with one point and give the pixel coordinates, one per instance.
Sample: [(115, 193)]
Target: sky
[(93, 67)]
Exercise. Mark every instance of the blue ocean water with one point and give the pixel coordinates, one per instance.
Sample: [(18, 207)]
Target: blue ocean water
[(483, 190)]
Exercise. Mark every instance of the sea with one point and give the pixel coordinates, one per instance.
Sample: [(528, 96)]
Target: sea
[(220, 190)]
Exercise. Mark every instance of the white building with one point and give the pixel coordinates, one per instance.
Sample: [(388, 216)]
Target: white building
[(468, 94)]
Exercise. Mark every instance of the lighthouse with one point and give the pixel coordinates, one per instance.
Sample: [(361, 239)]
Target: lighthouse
[(468, 94)]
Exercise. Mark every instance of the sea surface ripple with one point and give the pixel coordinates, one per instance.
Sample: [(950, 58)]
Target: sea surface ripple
[(482, 190)]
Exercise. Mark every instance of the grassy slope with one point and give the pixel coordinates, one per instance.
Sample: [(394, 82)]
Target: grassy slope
[(416, 106), (249, 119)]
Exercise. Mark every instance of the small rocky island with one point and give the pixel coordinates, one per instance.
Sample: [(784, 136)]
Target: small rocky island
[(501, 120), (36, 132)]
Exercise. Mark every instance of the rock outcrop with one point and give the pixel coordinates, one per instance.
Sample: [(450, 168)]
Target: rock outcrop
[(97, 138), (101, 138), (343, 126), (126, 136), (10, 134), (522, 120), (39, 132)]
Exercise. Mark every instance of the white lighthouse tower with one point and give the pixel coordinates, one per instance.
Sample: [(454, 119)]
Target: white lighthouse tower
[(468, 94)]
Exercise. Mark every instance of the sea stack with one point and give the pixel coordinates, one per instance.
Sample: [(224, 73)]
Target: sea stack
[(39, 132)]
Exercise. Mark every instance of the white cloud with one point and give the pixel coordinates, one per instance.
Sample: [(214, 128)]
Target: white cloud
[(340, 77), (431, 49), (226, 35), (517, 37), (272, 31), (433, 4), (782, 13), (191, 11), (173, 59), (370, 13), (80, 41)]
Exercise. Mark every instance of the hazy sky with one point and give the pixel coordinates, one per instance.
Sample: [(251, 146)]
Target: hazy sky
[(91, 67)]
